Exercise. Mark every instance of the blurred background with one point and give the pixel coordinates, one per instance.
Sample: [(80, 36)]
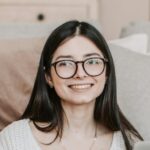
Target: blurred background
[(25, 25), (112, 15)]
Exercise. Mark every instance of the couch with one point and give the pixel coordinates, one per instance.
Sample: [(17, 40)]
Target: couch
[(19, 57)]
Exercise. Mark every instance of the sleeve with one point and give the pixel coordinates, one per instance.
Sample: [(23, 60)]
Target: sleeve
[(16, 136), (5, 143), (1, 148), (9, 137)]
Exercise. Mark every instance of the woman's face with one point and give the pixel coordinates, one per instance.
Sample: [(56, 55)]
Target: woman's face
[(81, 88)]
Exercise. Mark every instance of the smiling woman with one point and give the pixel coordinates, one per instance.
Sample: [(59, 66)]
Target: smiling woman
[(84, 71), (73, 103)]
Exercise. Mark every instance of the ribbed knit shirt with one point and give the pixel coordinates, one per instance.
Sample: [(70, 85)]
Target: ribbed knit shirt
[(18, 136)]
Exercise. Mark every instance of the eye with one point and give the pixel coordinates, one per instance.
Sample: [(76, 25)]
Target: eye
[(65, 64), (94, 61)]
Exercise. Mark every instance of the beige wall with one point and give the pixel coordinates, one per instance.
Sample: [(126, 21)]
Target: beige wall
[(115, 14)]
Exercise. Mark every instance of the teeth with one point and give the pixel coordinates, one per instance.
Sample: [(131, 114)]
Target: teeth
[(80, 86)]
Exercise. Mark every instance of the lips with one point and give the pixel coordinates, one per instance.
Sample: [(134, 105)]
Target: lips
[(81, 86)]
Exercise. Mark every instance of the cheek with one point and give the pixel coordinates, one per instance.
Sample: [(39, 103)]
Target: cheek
[(101, 84), (58, 84)]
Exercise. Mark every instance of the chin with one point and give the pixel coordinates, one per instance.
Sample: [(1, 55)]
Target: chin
[(80, 101)]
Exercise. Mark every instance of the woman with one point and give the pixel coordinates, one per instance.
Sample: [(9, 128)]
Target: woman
[(73, 103)]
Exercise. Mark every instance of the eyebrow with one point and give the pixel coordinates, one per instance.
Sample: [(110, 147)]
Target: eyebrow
[(71, 57), (63, 56), (92, 54)]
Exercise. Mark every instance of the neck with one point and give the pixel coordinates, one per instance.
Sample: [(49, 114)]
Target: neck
[(78, 119)]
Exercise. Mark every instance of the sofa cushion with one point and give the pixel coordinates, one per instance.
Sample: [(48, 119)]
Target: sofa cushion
[(136, 42), (133, 80), (137, 27), (22, 30)]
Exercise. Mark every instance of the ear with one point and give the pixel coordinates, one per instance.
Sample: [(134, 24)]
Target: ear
[(49, 80)]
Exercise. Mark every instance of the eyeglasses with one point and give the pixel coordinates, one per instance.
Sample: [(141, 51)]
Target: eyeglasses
[(92, 66)]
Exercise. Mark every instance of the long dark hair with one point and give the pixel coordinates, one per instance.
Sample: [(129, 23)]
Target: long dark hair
[(45, 105)]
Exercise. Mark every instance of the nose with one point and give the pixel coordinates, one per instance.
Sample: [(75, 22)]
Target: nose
[(80, 73)]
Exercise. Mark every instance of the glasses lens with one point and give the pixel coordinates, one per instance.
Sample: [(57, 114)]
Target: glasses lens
[(94, 66), (65, 68)]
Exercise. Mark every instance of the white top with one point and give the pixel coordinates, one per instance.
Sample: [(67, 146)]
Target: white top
[(18, 136)]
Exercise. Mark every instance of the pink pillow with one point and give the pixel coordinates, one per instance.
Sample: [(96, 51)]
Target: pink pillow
[(18, 65)]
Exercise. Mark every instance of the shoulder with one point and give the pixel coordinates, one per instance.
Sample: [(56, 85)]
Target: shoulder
[(132, 138), (14, 127), (13, 134), (118, 141)]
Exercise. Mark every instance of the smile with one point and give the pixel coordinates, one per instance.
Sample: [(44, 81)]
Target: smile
[(81, 86)]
